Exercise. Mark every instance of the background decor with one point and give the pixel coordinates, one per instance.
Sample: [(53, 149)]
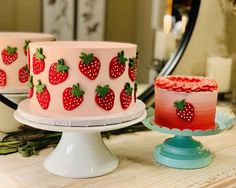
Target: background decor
[(58, 18), (90, 19), (74, 19)]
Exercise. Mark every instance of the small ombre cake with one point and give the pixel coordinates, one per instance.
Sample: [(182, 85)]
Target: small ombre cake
[(81, 78), (185, 102), (14, 71)]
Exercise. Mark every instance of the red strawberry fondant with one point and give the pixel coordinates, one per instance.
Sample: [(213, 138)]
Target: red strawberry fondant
[(117, 65), (23, 74), (72, 97), (43, 95), (30, 87), (105, 97), (3, 78), (132, 68), (89, 65), (58, 72), (38, 61), (9, 55), (26, 46), (126, 96), (184, 110)]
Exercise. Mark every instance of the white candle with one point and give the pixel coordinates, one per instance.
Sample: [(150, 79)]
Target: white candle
[(184, 21), (167, 23), (164, 45), (219, 68)]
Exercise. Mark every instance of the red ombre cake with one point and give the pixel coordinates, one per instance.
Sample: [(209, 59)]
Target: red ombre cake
[(185, 102)]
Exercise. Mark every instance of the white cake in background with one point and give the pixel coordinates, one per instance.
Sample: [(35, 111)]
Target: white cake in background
[(13, 61), (82, 78)]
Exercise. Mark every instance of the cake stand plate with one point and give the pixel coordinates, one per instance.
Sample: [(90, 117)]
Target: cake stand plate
[(182, 151), (81, 152)]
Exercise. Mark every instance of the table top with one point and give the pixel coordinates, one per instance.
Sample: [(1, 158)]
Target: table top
[(136, 167)]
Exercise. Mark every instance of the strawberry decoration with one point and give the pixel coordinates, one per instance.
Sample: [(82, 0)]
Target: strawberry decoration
[(26, 46), (38, 61), (3, 78), (133, 62), (9, 55), (72, 97), (23, 74), (117, 65), (58, 72), (184, 110), (89, 65), (135, 91), (28, 58), (126, 96), (105, 97), (42, 95), (30, 87)]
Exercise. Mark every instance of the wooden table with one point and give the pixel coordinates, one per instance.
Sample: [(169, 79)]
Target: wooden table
[(136, 169)]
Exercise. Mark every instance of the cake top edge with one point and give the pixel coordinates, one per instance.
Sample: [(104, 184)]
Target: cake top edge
[(25, 35), (187, 83), (83, 44)]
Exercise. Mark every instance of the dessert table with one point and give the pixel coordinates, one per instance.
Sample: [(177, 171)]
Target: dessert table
[(136, 166)]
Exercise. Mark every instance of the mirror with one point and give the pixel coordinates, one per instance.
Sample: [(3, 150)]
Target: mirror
[(140, 28)]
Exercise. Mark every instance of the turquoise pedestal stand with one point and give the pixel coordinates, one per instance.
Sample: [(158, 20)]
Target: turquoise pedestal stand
[(182, 151)]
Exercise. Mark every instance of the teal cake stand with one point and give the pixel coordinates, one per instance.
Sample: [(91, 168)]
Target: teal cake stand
[(182, 151)]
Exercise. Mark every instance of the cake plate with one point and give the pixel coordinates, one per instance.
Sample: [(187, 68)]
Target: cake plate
[(182, 151), (81, 152)]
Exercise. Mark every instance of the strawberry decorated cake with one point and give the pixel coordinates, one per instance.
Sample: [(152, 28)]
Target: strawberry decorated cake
[(14, 72), (185, 102), (81, 79)]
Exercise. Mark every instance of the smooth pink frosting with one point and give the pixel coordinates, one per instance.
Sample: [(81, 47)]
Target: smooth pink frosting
[(186, 83)]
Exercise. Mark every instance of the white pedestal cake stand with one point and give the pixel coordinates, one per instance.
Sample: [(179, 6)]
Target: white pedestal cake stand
[(81, 152)]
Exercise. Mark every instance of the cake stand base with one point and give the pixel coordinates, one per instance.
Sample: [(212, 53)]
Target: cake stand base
[(80, 155), (81, 152), (182, 152)]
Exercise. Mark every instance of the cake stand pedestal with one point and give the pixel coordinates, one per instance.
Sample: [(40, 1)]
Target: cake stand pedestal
[(182, 151), (81, 152)]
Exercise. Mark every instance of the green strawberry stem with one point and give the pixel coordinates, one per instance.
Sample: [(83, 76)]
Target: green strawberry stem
[(39, 54), (135, 86), (40, 87), (26, 45), (30, 82), (86, 58), (76, 92), (121, 57), (102, 91), (137, 53), (180, 104), (11, 50), (61, 67), (128, 89), (26, 69), (132, 62)]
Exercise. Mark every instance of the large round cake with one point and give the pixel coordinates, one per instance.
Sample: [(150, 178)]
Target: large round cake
[(185, 102), (14, 72), (82, 78)]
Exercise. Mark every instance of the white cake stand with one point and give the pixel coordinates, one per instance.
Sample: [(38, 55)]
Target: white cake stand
[(81, 152)]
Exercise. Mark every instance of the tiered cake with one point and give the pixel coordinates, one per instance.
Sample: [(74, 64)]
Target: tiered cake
[(185, 102), (82, 78), (14, 72)]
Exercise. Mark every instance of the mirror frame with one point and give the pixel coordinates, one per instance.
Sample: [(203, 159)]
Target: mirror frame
[(168, 68), (173, 61)]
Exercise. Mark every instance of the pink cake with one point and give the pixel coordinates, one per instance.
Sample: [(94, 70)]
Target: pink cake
[(14, 72), (185, 102), (82, 78)]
